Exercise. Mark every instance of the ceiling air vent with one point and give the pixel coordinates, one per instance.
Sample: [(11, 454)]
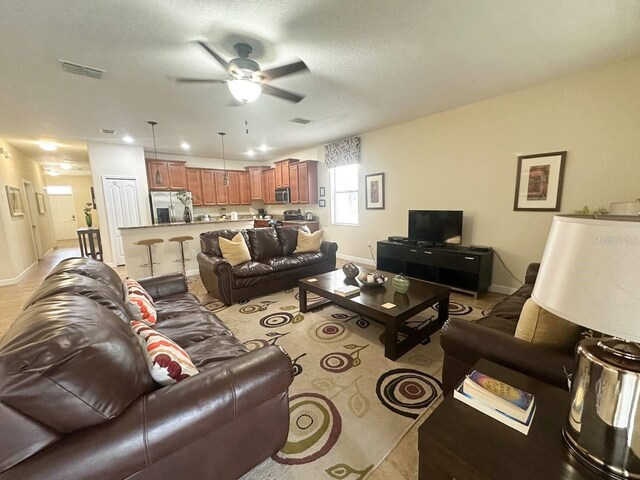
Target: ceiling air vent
[(301, 121), (108, 131), (78, 69)]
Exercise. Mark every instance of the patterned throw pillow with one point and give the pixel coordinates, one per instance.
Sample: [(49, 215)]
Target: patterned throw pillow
[(168, 363), (140, 303)]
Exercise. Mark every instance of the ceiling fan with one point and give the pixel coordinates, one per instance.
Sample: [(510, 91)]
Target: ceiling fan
[(247, 80)]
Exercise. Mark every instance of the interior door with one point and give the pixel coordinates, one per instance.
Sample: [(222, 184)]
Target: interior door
[(63, 213), (121, 199)]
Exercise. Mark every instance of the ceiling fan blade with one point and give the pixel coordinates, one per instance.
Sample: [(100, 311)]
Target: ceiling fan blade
[(279, 92), (283, 70), (215, 55), (198, 80)]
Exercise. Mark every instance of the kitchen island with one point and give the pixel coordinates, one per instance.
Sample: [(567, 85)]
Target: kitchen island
[(167, 254)]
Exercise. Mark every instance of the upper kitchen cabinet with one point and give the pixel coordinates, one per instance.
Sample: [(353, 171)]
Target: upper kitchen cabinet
[(194, 185), (208, 187), (233, 190), (255, 182), (222, 196), (245, 188), (304, 182), (282, 172), (172, 175)]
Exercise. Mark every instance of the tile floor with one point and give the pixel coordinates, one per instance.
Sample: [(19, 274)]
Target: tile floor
[(400, 464)]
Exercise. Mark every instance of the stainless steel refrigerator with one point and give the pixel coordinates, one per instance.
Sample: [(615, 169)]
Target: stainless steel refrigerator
[(166, 208)]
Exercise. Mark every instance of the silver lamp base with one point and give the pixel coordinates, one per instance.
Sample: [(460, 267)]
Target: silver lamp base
[(603, 427)]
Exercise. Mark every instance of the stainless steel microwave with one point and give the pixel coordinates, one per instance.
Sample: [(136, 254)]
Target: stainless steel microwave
[(282, 195)]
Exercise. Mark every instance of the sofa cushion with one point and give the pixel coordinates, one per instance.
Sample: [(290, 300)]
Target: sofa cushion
[(497, 323), (309, 242), (264, 243), (190, 328), (309, 258), (70, 363), (140, 303), (251, 269), (288, 237), (215, 350), (509, 308), (234, 251), (167, 362), (282, 263), (538, 326), (89, 267), (209, 240), (82, 285)]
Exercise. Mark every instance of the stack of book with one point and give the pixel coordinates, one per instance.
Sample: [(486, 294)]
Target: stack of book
[(347, 290), (507, 404)]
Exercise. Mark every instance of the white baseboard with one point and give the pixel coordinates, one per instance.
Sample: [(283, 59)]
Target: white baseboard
[(366, 261), (48, 252), (502, 289), (12, 281)]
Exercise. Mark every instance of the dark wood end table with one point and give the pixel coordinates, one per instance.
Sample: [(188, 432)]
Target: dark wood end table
[(459, 442), (369, 301)]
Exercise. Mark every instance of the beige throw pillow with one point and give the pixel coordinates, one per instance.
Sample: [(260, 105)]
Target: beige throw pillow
[(309, 242), (234, 251), (540, 327)]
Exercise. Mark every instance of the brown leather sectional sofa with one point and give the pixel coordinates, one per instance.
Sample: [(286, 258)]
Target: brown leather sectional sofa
[(491, 337), (273, 264), (77, 400)]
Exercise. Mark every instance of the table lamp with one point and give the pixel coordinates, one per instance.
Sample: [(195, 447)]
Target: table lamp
[(590, 275)]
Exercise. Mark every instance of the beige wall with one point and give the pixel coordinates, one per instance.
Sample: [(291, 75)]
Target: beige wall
[(17, 251), (466, 159), (81, 187)]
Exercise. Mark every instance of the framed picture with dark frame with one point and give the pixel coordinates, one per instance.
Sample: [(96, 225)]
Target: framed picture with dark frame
[(374, 189), (14, 197), (322, 192), (539, 182), (41, 206), (322, 203)]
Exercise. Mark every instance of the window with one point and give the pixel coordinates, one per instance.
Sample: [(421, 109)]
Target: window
[(344, 194), (59, 190)]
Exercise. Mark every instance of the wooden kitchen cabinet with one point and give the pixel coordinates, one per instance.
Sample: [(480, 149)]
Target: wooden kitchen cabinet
[(256, 182), (194, 185), (304, 182), (153, 167), (177, 175), (293, 183), (208, 187), (222, 197), (282, 173), (272, 185), (245, 188), (233, 188)]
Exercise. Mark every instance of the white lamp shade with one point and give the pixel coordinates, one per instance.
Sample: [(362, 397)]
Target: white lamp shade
[(245, 90), (590, 274)]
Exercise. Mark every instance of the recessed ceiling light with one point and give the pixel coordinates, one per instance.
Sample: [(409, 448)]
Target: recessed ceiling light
[(185, 146), (263, 148), (65, 165), (53, 173), (127, 139), (48, 146), (250, 153)]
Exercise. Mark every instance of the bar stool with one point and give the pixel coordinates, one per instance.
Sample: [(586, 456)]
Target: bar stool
[(181, 240), (150, 242)]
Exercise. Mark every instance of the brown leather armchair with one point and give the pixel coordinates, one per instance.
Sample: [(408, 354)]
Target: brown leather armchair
[(492, 337), (274, 266), (77, 400)]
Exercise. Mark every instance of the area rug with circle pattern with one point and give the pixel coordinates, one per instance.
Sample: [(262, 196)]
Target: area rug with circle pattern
[(349, 405)]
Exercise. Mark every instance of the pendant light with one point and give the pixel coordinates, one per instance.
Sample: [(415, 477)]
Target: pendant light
[(158, 176), (225, 178)]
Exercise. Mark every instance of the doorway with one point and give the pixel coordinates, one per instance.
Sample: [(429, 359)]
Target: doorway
[(63, 213), (32, 217), (121, 199)]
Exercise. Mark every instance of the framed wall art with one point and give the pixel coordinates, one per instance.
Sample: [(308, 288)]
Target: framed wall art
[(14, 197), (40, 200), (322, 203), (539, 182), (374, 186), (322, 193)]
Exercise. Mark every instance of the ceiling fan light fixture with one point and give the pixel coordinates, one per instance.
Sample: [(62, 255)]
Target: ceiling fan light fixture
[(65, 165), (48, 146), (245, 90)]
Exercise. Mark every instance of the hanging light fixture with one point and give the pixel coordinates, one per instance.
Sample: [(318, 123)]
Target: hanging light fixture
[(225, 178), (244, 90), (158, 176)]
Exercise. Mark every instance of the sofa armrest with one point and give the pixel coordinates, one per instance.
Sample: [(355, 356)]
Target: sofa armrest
[(468, 342), (217, 265), (532, 273), (329, 249), (156, 425), (164, 285)]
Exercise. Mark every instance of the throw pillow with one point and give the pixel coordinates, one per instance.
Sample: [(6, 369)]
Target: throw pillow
[(540, 327), (234, 251), (168, 363), (140, 303), (309, 242)]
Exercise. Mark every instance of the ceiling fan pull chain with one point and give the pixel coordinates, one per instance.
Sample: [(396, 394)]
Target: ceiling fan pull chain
[(246, 123)]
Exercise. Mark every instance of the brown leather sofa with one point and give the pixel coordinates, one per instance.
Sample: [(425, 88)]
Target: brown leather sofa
[(491, 337), (77, 400), (273, 264)]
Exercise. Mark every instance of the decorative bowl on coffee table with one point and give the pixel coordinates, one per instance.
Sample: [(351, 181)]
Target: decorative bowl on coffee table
[(362, 280)]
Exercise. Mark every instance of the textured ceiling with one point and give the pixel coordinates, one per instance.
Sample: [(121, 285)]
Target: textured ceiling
[(373, 63)]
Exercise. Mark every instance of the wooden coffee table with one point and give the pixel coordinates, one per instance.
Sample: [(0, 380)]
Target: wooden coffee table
[(369, 301)]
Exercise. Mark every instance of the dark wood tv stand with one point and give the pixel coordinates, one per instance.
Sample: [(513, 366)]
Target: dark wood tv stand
[(460, 268)]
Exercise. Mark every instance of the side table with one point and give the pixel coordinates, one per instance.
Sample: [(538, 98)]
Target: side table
[(459, 442), (90, 243)]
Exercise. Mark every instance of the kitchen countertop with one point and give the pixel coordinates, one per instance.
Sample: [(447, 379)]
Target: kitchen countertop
[(182, 224)]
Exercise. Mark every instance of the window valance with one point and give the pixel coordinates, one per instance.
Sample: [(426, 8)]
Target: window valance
[(344, 152)]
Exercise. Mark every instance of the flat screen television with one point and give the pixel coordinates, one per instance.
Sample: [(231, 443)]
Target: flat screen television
[(436, 226)]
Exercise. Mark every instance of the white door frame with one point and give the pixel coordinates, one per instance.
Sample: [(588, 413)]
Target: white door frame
[(113, 229), (75, 213), (33, 224)]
